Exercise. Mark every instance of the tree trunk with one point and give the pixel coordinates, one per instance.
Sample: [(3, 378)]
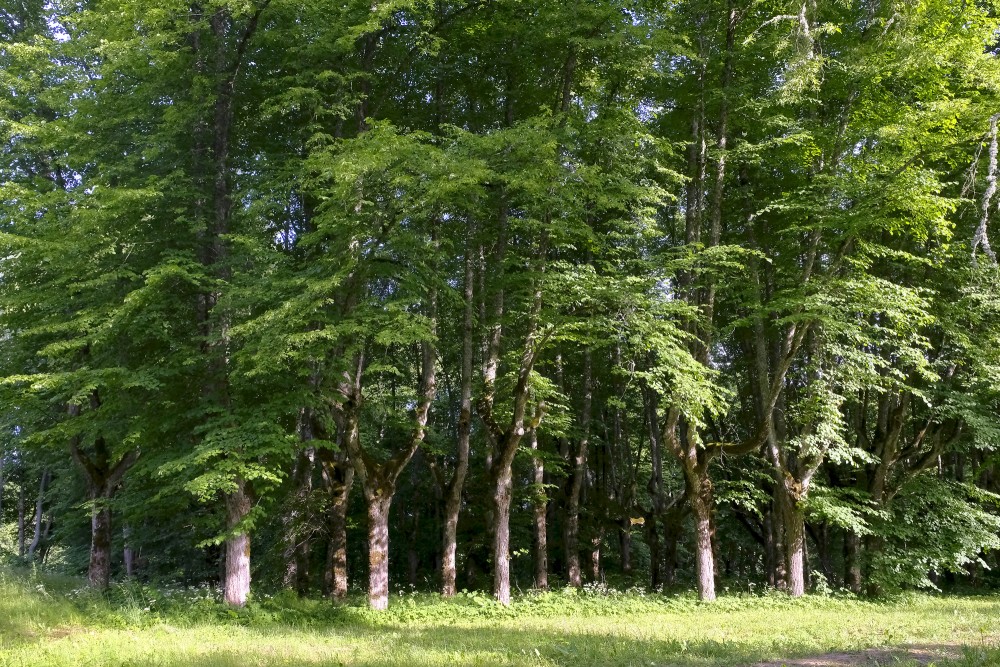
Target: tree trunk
[(852, 562), (579, 472), (596, 542), (653, 537), (236, 587), (625, 545), (20, 521), (501, 535), (701, 508), (338, 477), (99, 573), (453, 501), (36, 541), (379, 503), (540, 511), (128, 553), (795, 540)]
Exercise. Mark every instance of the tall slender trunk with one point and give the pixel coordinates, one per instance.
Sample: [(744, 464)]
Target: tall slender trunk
[(36, 541), (3, 481), (378, 550), (128, 552), (540, 509), (579, 472), (20, 520), (236, 586), (453, 500)]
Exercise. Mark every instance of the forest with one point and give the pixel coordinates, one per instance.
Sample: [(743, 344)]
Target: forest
[(337, 296)]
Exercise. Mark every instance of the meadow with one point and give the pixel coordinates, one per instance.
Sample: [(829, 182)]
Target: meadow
[(54, 622)]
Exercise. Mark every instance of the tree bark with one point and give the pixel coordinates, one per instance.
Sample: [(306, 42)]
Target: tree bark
[(453, 499), (128, 553), (20, 520), (378, 550), (795, 540), (338, 479), (236, 586), (36, 541), (99, 572), (579, 472), (700, 495), (540, 509), (852, 562), (501, 534)]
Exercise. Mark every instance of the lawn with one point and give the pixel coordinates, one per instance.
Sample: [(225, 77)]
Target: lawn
[(50, 622)]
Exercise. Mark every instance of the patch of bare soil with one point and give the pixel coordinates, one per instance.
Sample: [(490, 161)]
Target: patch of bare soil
[(927, 654)]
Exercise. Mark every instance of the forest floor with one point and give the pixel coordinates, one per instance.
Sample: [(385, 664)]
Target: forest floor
[(52, 622)]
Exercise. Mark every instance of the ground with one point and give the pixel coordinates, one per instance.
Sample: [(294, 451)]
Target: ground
[(52, 623)]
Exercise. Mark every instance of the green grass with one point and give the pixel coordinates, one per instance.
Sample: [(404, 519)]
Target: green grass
[(52, 623)]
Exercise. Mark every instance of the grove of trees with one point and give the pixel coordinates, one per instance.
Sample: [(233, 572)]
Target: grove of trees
[(501, 294)]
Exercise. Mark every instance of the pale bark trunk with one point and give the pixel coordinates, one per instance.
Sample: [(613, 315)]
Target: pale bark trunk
[(540, 514), (236, 587), (501, 535), (795, 549), (378, 550), (704, 558), (20, 520)]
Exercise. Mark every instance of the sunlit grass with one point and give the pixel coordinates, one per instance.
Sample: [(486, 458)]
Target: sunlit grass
[(52, 623)]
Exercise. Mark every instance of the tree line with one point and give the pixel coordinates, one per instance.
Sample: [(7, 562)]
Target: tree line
[(496, 293)]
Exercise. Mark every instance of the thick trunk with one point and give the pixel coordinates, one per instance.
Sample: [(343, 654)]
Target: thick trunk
[(378, 549), (540, 511), (335, 578), (236, 587), (852, 562), (99, 572), (501, 535), (795, 540), (701, 508)]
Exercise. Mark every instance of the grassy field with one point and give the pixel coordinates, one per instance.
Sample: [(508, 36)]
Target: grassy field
[(49, 622)]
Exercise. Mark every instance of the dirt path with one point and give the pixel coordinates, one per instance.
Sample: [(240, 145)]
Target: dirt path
[(923, 655)]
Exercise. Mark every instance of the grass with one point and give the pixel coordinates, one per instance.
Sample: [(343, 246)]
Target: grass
[(50, 622)]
